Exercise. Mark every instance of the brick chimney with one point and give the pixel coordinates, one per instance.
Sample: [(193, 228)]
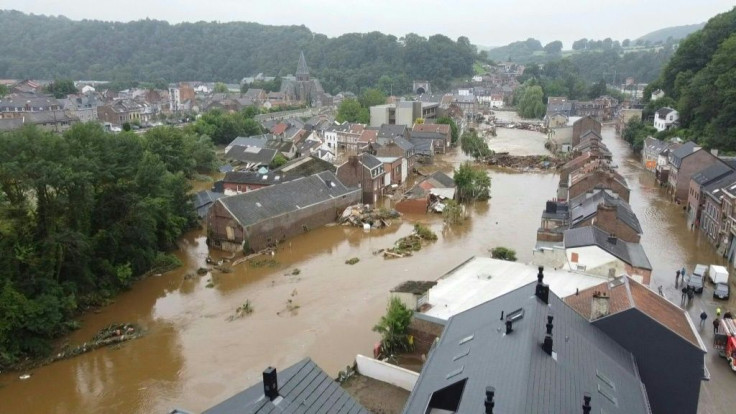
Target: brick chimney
[(600, 305), (605, 218)]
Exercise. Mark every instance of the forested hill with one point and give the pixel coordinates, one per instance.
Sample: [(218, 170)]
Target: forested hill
[(675, 32), (43, 47), (700, 81)]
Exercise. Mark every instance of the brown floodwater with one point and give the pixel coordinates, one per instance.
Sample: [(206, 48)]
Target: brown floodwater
[(194, 357)]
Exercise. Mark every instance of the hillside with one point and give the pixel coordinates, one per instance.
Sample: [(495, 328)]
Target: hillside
[(44, 47), (700, 80), (675, 32)]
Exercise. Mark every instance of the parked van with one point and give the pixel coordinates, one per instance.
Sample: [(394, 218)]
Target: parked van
[(719, 276), (697, 278)]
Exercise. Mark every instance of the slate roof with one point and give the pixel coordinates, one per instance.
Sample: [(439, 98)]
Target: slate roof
[(255, 206), (586, 205), (252, 141), (626, 293), (370, 161), (655, 145), (683, 151), (438, 128), (402, 143), (251, 155), (427, 135), (474, 348), (304, 166), (631, 253), (422, 146), (713, 189), (302, 68), (203, 200), (390, 131), (712, 173), (437, 179), (252, 177), (663, 112), (304, 388), (561, 210)]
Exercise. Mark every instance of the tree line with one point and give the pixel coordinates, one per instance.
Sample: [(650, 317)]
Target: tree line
[(700, 82), (156, 52), (81, 216)]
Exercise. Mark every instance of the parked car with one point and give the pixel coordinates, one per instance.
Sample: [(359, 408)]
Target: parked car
[(721, 291), (697, 278)]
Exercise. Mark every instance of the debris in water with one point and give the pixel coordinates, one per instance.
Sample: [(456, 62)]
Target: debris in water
[(25, 376)]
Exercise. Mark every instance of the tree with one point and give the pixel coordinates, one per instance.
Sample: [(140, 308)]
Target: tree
[(278, 161), (394, 327), (504, 253), (453, 127), (598, 89), (626, 43), (580, 44), (635, 132), (60, 88), (531, 104), (472, 183), (350, 110), (553, 47), (4, 90), (474, 146), (220, 88), (453, 212), (371, 97)]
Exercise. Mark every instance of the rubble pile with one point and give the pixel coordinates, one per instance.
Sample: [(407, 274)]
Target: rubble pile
[(411, 243), (361, 215), (524, 162)]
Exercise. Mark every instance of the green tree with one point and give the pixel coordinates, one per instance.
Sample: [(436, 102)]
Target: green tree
[(504, 253), (394, 327), (60, 88), (454, 131), (4, 90), (350, 110), (531, 104), (474, 145), (472, 183), (278, 161), (220, 88), (553, 47), (598, 89), (371, 97), (635, 132), (453, 212)]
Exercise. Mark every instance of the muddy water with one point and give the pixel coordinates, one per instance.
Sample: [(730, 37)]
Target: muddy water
[(194, 357)]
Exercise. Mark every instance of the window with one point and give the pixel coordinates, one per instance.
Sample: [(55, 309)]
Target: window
[(447, 398)]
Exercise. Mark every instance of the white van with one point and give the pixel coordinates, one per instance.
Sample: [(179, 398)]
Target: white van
[(717, 274)]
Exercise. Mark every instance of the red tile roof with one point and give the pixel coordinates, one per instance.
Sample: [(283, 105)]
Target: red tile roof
[(630, 294), (439, 128), (279, 128)]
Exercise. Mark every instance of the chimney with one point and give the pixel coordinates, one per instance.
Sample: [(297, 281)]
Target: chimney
[(551, 207), (612, 238), (542, 289), (270, 383), (586, 403), (509, 327), (489, 403), (600, 306), (605, 218), (547, 344)]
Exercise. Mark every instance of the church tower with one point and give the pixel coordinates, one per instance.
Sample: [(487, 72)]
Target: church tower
[(302, 71)]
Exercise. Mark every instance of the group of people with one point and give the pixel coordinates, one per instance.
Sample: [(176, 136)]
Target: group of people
[(716, 320)]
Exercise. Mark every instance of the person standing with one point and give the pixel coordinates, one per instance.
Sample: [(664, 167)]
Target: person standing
[(703, 317), (677, 278), (727, 315), (718, 312), (682, 273), (716, 322), (684, 296)]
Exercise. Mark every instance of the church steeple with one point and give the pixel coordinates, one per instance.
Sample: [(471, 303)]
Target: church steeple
[(302, 71)]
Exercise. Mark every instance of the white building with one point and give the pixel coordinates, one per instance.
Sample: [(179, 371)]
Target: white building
[(665, 118)]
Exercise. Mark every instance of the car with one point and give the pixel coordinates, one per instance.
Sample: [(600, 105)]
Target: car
[(721, 291), (697, 278)]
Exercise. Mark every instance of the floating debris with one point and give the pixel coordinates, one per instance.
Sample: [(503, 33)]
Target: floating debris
[(364, 216), (352, 261), (405, 246), (25, 376)]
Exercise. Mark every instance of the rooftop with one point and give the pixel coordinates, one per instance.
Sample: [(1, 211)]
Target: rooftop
[(302, 388), (475, 351), (480, 279), (626, 293), (631, 253)]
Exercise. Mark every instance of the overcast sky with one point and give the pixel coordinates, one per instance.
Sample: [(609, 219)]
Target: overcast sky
[(485, 22)]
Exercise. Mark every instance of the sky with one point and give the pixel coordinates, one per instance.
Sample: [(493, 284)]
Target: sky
[(484, 22)]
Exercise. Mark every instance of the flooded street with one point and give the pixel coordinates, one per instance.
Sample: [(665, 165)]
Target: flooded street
[(193, 357)]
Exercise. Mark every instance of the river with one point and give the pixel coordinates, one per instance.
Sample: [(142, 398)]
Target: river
[(193, 357)]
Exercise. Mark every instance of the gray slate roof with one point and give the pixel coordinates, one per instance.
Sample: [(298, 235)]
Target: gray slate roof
[(252, 141), (370, 161), (304, 387), (683, 151), (712, 173), (391, 131), (251, 155), (255, 206), (403, 143), (714, 189), (422, 146), (586, 205), (474, 348), (203, 200), (631, 253)]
